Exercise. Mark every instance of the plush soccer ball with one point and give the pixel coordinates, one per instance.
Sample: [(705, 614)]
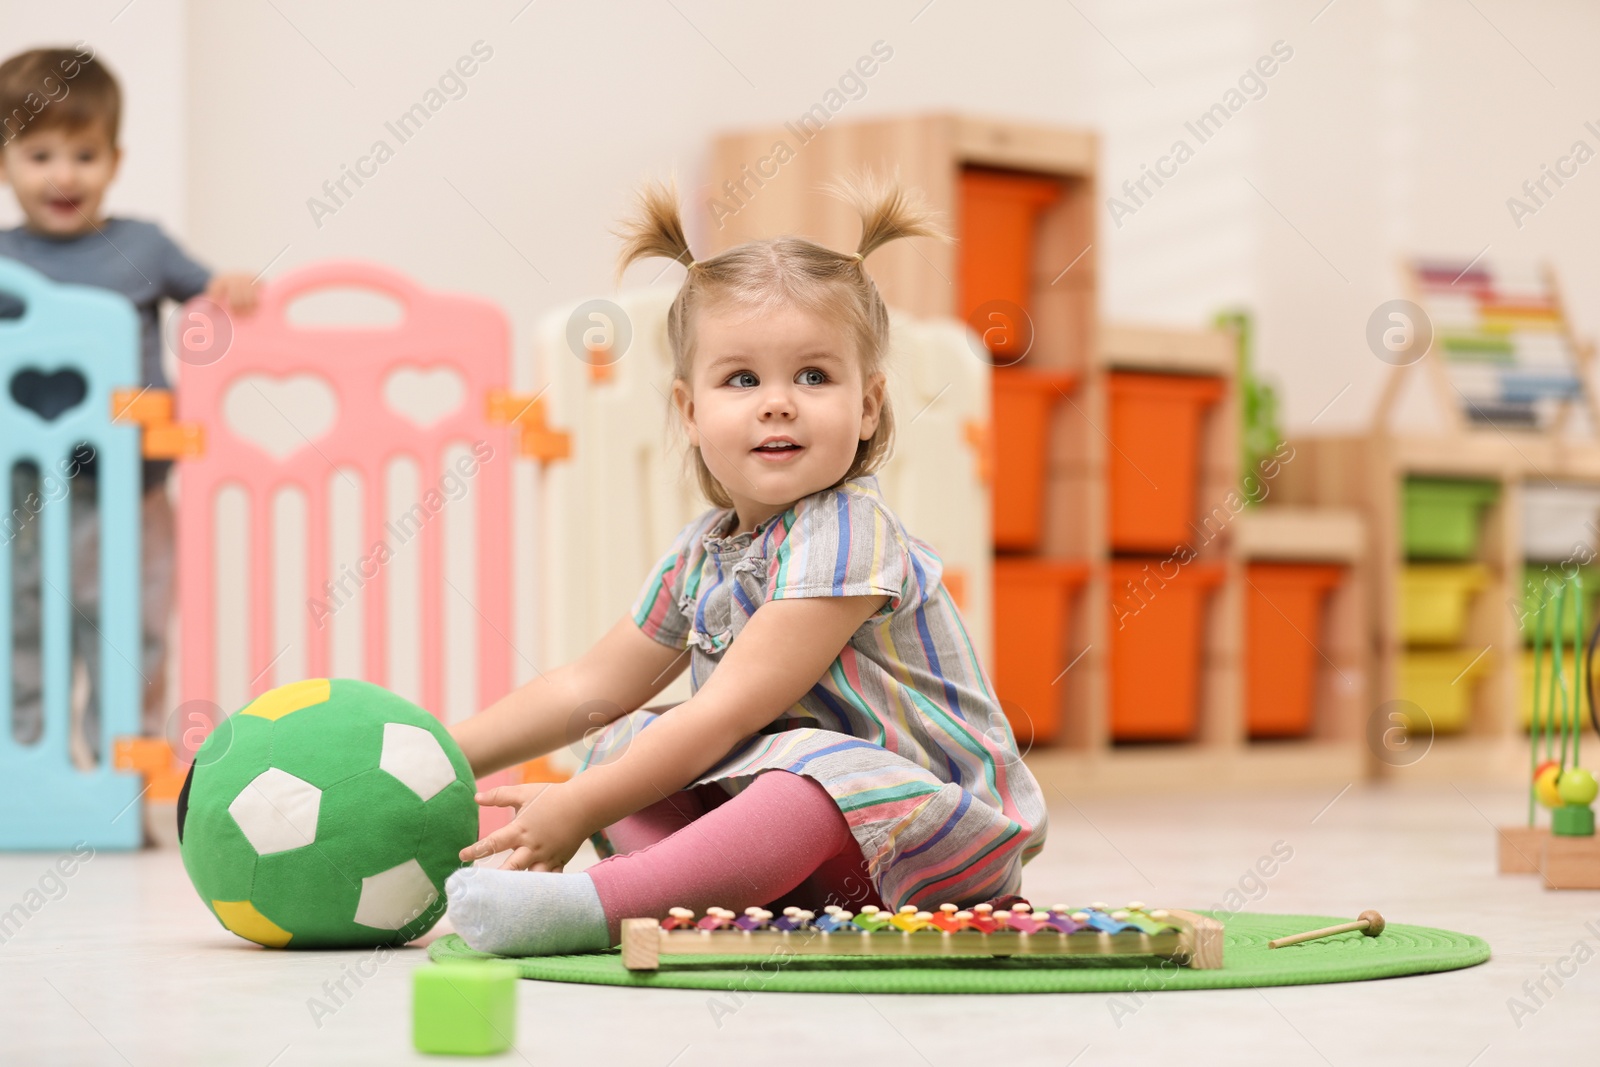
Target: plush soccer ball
[(326, 814)]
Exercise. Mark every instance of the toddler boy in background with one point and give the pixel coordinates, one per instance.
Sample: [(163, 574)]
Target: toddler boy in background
[(60, 109)]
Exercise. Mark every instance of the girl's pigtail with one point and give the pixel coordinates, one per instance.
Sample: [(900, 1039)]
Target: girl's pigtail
[(655, 229), (887, 211)]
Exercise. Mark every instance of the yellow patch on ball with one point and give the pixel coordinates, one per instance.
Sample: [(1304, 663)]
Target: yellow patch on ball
[(287, 699)]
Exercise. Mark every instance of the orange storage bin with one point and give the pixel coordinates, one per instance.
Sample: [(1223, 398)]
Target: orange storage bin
[(1022, 401), (999, 215), (1282, 632), (1032, 612), (1158, 646), (1155, 458)]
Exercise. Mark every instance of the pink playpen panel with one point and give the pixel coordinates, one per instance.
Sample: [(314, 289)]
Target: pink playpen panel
[(467, 335)]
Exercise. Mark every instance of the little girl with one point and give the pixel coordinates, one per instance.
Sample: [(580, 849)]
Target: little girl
[(843, 743)]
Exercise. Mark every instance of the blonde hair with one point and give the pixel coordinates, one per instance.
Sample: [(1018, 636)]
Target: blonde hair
[(759, 274)]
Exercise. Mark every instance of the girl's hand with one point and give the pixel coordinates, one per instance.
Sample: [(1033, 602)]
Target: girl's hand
[(544, 834)]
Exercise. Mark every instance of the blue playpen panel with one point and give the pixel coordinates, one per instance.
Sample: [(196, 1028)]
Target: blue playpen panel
[(45, 801)]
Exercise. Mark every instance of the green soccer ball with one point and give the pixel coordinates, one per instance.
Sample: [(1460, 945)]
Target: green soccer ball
[(326, 814)]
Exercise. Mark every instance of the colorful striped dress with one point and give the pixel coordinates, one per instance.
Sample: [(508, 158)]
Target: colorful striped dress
[(904, 731)]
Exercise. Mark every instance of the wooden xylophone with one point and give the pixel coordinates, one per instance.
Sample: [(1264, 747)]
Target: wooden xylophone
[(1097, 930)]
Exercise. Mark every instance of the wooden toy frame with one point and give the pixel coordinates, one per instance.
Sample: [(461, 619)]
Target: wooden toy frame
[(1448, 397)]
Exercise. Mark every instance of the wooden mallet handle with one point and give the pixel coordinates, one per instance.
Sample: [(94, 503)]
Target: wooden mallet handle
[(1370, 923)]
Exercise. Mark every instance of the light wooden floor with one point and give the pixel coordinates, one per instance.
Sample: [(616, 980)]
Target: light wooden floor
[(127, 967)]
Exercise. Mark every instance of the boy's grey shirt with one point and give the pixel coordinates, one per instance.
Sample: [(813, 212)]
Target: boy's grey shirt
[(128, 256)]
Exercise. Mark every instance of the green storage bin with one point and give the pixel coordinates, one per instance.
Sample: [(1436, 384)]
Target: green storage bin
[(1442, 516), (1541, 582)]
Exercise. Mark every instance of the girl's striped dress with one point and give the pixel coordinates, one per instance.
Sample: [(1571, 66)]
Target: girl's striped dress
[(904, 730)]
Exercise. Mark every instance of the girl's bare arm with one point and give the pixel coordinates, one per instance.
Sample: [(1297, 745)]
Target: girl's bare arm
[(779, 655), (618, 674)]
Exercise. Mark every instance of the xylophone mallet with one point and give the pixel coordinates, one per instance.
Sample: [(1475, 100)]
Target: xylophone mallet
[(1369, 923)]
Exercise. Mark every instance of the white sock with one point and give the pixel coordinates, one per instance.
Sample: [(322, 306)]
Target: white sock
[(526, 913)]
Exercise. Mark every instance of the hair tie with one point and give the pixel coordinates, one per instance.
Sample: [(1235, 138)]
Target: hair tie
[(859, 257)]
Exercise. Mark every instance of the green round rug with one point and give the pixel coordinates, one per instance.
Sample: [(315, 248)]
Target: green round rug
[(1246, 962)]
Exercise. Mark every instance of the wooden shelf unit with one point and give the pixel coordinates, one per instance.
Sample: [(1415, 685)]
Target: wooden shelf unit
[(1369, 472), (928, 153), (920, 276)]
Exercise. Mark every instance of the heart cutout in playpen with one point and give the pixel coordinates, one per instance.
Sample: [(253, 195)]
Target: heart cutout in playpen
[(280, 416), (424, 396), (48, 396)]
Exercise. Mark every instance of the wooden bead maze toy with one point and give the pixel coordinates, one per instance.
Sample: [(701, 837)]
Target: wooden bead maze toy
[(1567, 853), (1184, 937)]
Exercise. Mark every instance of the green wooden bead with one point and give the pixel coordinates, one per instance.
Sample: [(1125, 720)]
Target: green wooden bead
[(1577, 786), (464, 1009)]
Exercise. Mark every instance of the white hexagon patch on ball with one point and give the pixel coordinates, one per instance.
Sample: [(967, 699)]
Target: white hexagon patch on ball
[(391, 899), (277, 811), (414, 756)]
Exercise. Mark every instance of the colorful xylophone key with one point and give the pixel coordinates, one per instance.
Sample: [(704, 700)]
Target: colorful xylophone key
[(910, 919), (836, 920)]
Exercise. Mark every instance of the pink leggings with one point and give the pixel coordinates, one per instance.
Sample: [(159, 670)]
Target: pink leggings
[(780, 841)]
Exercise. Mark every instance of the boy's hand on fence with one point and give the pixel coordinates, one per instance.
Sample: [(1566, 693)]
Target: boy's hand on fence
[(236, 292), (542, 836)]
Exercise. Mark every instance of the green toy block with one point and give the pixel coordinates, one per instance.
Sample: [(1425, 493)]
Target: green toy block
[(464, 1009), (1572, 820)]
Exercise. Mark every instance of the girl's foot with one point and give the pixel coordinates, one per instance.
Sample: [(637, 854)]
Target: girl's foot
[(526, 913)]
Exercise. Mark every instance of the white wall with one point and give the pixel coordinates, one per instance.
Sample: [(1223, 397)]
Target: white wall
[(1415, 124), (1397, 125)]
